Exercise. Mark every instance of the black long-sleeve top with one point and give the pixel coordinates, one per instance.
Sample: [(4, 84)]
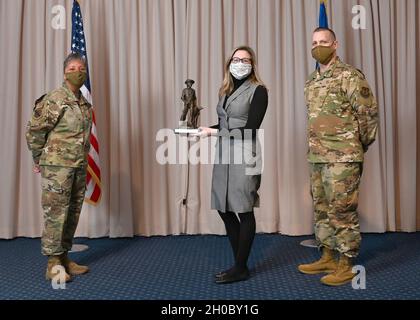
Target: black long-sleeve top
[(257, 109)]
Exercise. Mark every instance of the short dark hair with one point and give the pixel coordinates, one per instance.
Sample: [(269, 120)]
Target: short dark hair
[(326, 29), (71, 57)]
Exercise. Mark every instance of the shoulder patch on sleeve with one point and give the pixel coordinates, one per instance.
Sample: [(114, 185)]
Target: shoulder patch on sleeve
[(365, 92)]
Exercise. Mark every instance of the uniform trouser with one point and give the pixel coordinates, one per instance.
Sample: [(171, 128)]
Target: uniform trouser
[(63, 191), (335, 193)]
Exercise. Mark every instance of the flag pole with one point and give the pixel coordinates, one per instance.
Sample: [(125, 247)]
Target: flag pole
[(79, 247), (322, 22)]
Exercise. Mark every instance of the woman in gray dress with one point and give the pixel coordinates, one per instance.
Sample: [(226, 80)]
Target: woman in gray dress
[(237, 169)]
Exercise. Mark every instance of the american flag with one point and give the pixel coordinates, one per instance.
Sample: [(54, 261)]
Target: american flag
[(78, 45)]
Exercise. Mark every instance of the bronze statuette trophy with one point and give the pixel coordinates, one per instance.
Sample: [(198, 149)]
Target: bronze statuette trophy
[(188, 123)]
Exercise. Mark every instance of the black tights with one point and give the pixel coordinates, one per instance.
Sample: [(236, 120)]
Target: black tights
[(241, 233)]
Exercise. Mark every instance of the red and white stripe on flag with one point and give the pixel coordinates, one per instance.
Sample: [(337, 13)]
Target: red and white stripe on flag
[(93, 179)]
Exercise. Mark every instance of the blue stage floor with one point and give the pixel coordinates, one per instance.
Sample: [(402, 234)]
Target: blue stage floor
[(182, 268)]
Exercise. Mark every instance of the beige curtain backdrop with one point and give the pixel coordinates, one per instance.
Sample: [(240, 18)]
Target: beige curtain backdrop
[(141, 52)]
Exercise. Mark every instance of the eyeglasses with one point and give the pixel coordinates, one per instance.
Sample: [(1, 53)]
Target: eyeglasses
[(244, 60)]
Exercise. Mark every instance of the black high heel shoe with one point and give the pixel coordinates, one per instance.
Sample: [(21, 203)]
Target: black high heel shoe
[(233, 277), (222, 273)]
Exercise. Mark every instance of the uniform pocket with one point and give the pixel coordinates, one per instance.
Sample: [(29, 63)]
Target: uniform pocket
[(72, 119), (50, 186)]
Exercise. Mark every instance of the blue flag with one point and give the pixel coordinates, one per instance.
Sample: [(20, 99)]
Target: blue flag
[(323, 19)]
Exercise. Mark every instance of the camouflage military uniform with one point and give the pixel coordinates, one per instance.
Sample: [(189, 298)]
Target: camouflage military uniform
[(58, 135), (342, 123)]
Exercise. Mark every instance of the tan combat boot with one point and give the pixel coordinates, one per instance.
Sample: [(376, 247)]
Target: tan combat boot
[(327, 264), (52, 262), (72, 267), (342, 275)]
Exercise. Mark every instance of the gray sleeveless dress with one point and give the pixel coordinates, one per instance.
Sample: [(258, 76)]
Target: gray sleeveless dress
[(238, 162)]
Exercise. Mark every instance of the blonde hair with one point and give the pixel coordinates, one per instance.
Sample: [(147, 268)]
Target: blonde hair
[(254, 77)]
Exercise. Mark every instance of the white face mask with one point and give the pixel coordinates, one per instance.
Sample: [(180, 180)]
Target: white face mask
[(240, 70)]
